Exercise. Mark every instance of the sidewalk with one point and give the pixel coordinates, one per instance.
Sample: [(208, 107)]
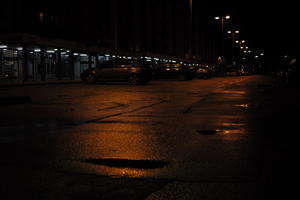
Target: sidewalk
[(32, 83)]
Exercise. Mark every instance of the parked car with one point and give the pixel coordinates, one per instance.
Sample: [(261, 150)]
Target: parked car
[(204, 72), (175, 71), (233, 72), (133, 71)]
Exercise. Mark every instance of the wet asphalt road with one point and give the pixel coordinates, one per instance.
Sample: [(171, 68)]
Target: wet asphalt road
[(193, 131)]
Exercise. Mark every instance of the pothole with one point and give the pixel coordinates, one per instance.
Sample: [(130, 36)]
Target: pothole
[(208, 132), (126, 163)]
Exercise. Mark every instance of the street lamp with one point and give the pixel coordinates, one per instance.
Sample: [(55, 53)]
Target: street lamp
[(222, 19), (240, 43), (191, 29), (233, 33)]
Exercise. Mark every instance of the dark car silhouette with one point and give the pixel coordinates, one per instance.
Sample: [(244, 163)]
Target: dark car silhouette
[(204, 72), (175, 71), (133, 71)]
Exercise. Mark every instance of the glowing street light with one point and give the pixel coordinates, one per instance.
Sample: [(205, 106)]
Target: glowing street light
[(222, 19), (227, 17)]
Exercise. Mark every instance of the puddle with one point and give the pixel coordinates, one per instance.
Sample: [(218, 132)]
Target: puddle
[(244, 105), (208, 132), (125, 163)]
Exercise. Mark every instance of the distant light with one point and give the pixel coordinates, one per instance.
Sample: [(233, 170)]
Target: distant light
[(50, 51), (173, 61), (285, 56), (261, 54), (19, 48), (228, 32), (41, 15), (256, 56), (237, 31), (246, 47), (55, 49), (227, 17), (217, 18), (237, 41), (129, 57), (113, 56), (107, 55), (3, 46), (245, 51), (244, 58), (37, 50), (249, 51), (83, 55), (75, 54), (243, 41), (242, 47)]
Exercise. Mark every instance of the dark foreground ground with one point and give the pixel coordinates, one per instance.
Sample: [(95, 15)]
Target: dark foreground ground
[(223, 138)]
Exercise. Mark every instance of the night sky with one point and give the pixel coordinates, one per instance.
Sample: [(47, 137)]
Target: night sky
[(267, 26)]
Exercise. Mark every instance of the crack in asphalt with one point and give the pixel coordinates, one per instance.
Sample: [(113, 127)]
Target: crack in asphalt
[(117, 105), (120, 113), (190, 108)]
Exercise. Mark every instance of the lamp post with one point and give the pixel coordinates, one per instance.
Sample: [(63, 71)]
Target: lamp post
[(191, 29), (241, 48), (233, 33), (222, 20)]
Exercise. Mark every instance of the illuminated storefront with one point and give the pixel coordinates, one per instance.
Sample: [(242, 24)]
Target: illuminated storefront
[(36, 59)]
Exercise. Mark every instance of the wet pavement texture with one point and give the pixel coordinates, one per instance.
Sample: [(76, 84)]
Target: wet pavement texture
[(167, 140)]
